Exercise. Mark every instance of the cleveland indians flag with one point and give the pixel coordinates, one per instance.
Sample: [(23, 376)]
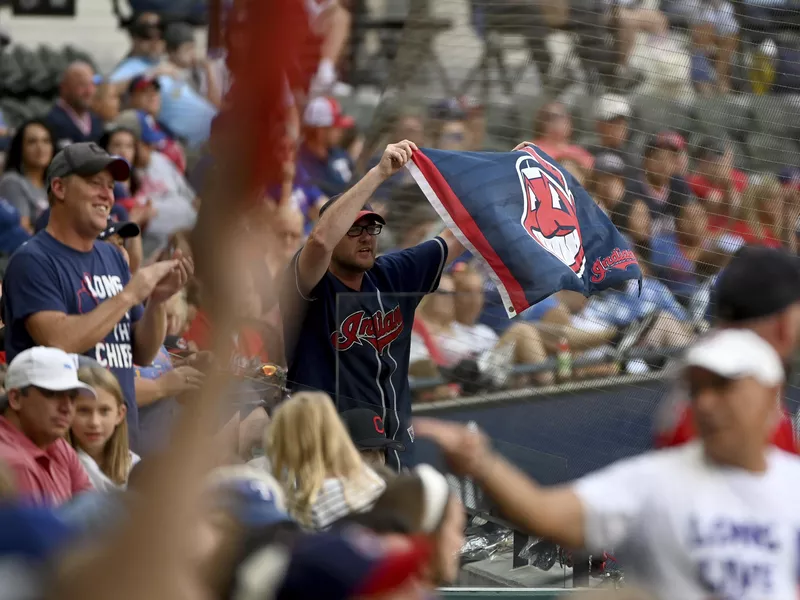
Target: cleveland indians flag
[(529, 219)]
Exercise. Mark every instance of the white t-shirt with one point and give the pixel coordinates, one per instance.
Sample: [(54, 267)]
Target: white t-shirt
[(688, 529), (101, 481), (461, 342)]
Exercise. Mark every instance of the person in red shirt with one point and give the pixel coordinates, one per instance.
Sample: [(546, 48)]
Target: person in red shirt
[(42, 386), (716, 183), (759, 290)]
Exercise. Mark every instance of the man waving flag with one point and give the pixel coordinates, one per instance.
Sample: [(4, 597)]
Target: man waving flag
[(528, 218)]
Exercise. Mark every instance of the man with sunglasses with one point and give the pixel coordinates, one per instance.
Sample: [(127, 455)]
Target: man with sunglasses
[(348, 314), (42, 386)]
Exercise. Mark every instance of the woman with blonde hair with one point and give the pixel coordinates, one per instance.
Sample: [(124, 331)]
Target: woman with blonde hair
[(760, 219), (313, 457), (99, 431)]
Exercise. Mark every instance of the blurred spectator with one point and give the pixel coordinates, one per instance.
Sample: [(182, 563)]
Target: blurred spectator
[(297, 190), (147, 48), (23, 181), (182, 52), (286, 226), (66, 289), (173, 201), (12, 232), (319, 159), (662, 192), (414, 219), (144, 94), (123, 141), (476, 123), (42, 386), (715, 37), (368, 434), (630, 19), (107, 101), (607, 186), (160, 386), (448, 331), (423, 498), (120, 234), (311, 454), (679, 257), (408, 126), (675, 142), (716, 182), (71, 119), (453, 135), (330, 21), (552, 132), (99, 432), (760, 216), (612, 116)]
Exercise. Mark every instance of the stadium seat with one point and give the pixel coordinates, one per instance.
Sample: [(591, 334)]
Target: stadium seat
[(654, 114), (38, 106), (729, 114), (71, 54), (15, 112), (55, 63), (771, 153)]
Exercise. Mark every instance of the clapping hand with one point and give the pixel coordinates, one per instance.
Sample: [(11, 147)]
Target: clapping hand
[(175, 279)]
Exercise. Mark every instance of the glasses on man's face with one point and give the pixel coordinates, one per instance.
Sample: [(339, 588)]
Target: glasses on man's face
[(357, 230), (50, 394)]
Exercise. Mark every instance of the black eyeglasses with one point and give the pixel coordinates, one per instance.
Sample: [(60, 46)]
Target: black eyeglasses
[(357, 230)]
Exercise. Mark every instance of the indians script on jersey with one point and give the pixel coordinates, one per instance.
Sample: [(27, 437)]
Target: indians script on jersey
[(529, 219), (378, 330)]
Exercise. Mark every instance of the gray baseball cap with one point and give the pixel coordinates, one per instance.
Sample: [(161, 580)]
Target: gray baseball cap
[(86, 159)]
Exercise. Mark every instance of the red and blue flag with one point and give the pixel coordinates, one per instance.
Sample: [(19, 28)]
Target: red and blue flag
[(529, 219)]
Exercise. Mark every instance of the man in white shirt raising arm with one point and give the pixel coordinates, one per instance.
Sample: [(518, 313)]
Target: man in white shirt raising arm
[(716, 518)]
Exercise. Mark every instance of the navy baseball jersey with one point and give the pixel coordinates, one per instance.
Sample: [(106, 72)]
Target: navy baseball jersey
[(46, 275), (355, 344)]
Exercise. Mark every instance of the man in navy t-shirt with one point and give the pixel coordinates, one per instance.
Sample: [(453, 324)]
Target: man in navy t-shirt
[(348, 315), (67, 290)]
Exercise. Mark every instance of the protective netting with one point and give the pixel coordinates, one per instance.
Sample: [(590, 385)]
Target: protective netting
[(679, 117)]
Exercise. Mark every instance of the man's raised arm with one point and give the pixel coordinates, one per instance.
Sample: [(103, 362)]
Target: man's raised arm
[(556, 513), (315, 257)]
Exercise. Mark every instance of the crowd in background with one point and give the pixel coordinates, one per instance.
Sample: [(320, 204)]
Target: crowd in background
[(302, 468)]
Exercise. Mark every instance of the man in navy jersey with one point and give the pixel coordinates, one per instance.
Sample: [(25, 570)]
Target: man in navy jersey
[(67, 290), (348, 315)]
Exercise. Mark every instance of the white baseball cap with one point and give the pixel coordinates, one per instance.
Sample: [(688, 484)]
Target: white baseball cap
[(736, 354), (46, 368), (612, 106), (323, 111)]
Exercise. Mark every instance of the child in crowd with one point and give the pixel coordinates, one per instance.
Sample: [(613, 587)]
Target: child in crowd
[(311, 454), (99, 431)]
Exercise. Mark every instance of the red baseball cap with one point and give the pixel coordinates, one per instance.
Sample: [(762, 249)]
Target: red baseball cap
[(671, 140), (365, 212), (326, 112)]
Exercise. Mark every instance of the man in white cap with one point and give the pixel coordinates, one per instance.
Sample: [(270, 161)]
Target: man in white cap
[(42, 386), (715, 518)]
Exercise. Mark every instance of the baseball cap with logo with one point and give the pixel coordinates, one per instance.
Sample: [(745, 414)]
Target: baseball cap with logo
[(143, 126), (757, 282), (368, 431), (737, 354), (46, 368), (125, 230), (326, 112), (86, 159)]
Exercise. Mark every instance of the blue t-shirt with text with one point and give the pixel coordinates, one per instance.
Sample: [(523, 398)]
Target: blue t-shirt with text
[(46, 275), (331, 175), (355, 345)]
